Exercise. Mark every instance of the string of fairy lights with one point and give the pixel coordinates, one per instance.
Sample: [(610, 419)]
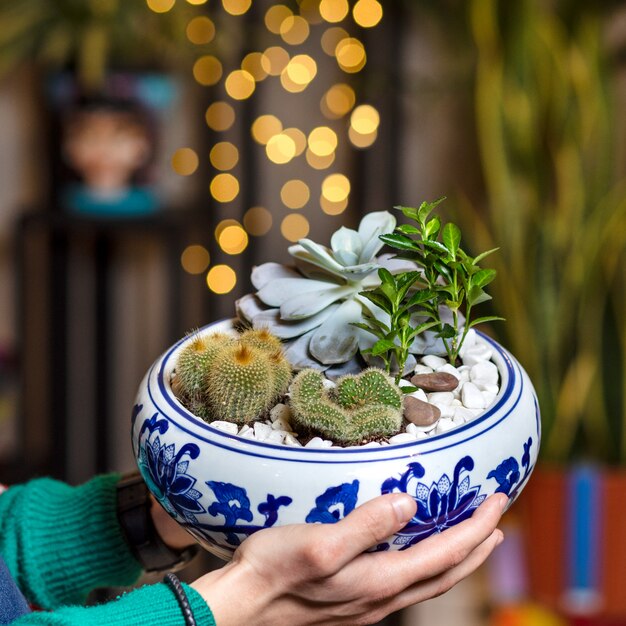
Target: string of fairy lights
[(316, 145)]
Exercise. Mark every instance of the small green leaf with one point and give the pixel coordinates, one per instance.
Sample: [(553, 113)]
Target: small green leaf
[(408, 229), (418, 330), (420, 296), (476, 295), (447, 332), (432, 228), (488, 318), (482, 255), (379, 300), (482, 278), (375, 331), (451, 236), (383, 346), (436, 246), (408, 211), (409, 389), (398, 241)]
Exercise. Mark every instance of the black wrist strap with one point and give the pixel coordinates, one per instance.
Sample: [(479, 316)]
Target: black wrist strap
[(133, 513), (171, 580)]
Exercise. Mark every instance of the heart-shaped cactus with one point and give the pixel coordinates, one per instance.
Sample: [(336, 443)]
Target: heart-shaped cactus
[(358, 409)]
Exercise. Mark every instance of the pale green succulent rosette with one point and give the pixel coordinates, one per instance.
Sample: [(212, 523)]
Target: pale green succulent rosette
[(313, 305)]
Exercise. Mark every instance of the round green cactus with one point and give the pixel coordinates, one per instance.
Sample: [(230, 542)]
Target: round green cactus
[(232, 378), (195, 360), (361, 408)]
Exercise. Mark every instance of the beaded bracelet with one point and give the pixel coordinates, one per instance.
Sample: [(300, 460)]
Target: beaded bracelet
[(172, 581)]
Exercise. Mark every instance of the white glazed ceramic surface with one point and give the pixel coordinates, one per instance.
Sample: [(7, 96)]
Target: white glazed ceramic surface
[(223, 488)]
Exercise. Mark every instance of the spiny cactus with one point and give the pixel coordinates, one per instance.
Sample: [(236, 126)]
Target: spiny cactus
[(195, 360), (361, 407), (236, 379)]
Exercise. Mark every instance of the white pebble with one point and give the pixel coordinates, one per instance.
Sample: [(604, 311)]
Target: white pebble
[(441, 397), (280, 411), (458, 420), (420, 394), (281, 424), (489, 398), (316, 442), (423, 369), (450, 369), (480, 352), (244, 429), (402, 438), (485, 371), (413, 428), (262, 431), (290, 440), (472, 397), (444, 424), (371, 444), (433, 361), (421, 435), (460, 412), (248, 434), (446, 410), (226, 427), (328, 384), (276, 437), (469, 341), (487, 387), (326, 443)]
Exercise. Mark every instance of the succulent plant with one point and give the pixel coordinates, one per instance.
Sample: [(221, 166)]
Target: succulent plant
[(360, 408), (312, 306), (232, 378)]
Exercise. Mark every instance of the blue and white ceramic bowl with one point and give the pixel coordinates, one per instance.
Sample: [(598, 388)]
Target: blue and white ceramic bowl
[(222, 488)]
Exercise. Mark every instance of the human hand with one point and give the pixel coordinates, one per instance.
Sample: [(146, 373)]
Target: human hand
[(170, 531), (320, 574)]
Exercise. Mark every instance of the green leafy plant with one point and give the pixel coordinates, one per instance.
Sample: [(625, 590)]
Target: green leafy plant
[(448, 279)]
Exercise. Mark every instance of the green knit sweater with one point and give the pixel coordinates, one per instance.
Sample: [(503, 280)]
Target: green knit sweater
[(60, 542)]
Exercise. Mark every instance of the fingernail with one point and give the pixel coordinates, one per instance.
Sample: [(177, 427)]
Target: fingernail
[(404, 508), (500, 539), (504, 500)]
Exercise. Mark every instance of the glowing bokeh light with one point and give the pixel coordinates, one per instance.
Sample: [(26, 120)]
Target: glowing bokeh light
[(236, 7), (160, 6), (275, 16), (331, 37), (224, 187), (265, 127), (365, 119), (197, 2), (195, 259), (294, 30), (220, 116), (222, 225), (322, 141), (302, 69), (257, 221), (318, 162), (207, 70), (336, 187), (298, 137), (295, 194), (200, 30), (185, 161), (294, 227), (239, 84), (280, 149), (367, 13), (233, 239), (221, 279), (224, 156), (361, 141), (274, 60), (251, 63), (334, 10), (333, 208), (350, 54), (338, 101)]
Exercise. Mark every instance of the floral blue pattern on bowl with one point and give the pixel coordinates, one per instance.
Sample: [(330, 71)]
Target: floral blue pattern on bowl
[(223, 488)]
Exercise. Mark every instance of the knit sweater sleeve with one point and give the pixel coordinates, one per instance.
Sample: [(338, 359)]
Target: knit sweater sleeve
[(60, 542), (147, 606)]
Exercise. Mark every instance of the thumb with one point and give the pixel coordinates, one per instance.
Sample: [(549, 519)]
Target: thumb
[(372, 522)]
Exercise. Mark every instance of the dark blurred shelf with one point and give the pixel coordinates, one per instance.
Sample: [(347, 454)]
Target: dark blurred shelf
[(49, 245)]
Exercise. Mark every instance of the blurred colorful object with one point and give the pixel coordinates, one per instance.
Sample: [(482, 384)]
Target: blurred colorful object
[(526, 615)]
